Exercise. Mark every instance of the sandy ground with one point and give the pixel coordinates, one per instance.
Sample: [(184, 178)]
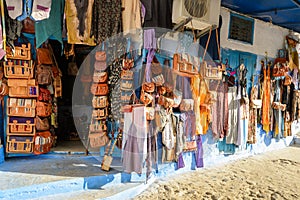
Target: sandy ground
[(273, 175)]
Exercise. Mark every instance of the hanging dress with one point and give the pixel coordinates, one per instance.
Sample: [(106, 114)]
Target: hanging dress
[(266, 100)]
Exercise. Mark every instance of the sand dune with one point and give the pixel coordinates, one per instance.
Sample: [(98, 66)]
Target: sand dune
[(273, 175)]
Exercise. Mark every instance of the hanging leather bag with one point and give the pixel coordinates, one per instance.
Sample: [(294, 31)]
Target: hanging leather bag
[(42, 124), (44, 74), (43, 109), (44, 95), (43, 56)]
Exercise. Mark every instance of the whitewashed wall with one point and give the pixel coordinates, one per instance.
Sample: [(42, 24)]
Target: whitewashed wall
[(267, 37)]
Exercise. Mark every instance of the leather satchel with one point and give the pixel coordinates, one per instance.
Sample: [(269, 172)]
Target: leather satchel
[(148, 87), (100, 101), (22, 88), (146, 98), (43, 109), (127, 75), (100, 77), (43, 56), (98, 139), (100, 113), (44, 95), (42, 142), (211, 70), (190, 146), (28, 25), (98, 126), (44, 74), (99, 89), (127, 64), (42, 124), (100, 63)]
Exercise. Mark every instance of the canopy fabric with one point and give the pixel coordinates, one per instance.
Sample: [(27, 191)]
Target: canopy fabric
[(284, 13)]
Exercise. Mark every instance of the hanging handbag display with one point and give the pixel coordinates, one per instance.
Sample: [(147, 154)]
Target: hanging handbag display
[(42, 142), (21, 107), (98, 139), (100, 114), (100, 101), (127, 75), (44, 74), (18, 69), (43, 109), (43, 56), (98, 126), (44, 95), (127, 64), (42, 124), (100, 77), (99, 89), (100, 62), (22, 88), (22, 52)]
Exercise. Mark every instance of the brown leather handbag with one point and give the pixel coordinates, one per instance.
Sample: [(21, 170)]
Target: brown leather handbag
[(22, 88), (148, 87), (127, 64), (98, 139), (43, 109), (41, 124), (127, 75), (100, 101), (146, 98), (99, 89), (42, 142), (100, 113), (44, 95), (100, 77), (44, 74), (43, 56), (100, 63), (28, 25)]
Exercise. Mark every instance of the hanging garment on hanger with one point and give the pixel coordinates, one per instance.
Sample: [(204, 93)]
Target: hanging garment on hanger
[(131, 15), (158, 13), (51, 27), (135, 140), (106, 19), (41, 9), (218, 109), (79, 21), (233, 117)]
